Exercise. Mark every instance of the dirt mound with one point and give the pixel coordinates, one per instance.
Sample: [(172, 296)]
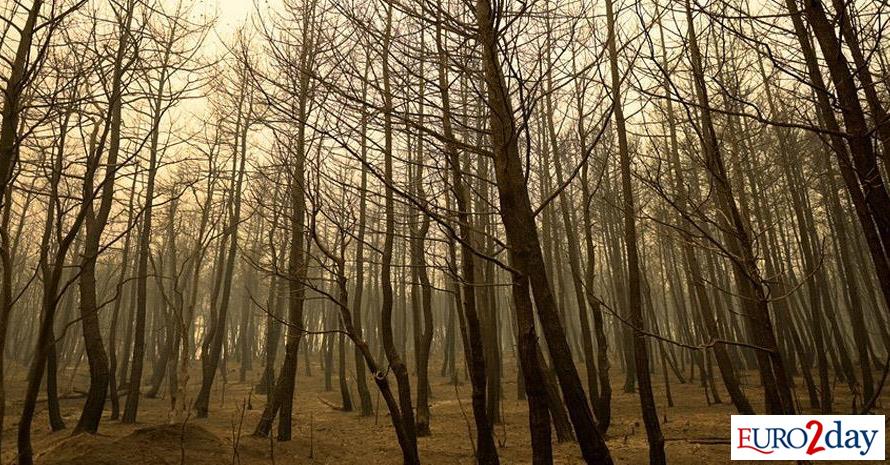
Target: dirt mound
[(155, 445), (190, 435)]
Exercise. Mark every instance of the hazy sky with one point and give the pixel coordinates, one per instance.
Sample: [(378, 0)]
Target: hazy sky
[(232, 12)]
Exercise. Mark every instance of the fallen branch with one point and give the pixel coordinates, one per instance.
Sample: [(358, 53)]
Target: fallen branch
[(708, 441), (329, 403)]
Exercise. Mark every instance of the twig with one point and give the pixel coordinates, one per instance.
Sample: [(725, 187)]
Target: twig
[(703, 346), (328, 403)]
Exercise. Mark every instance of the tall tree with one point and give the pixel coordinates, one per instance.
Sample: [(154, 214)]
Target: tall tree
[(522, 236), (634, 279)]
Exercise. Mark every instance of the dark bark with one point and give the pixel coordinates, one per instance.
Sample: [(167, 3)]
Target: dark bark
[(280, 402), (524, 246), (634, 280), (747, 276), (218, 333), (361, 382), (396, 363), (486, 451), (863, 177), (52, 270), (9, 143)]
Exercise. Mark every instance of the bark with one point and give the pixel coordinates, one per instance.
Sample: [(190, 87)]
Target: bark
[(485, 297), (273, 305), (341, 370), (218, 334), (95, 224), (53, 408), (52, 270), (423, 321), (747, 276), (15, 85), (851, 41), (280, 402), (691, 262), (635, 301), (486, 451), (524, 246), (360, 378), (144, 247), (6, 298), (858, 135), (9, 125), (396, 363), (602, 408), (115, 314)]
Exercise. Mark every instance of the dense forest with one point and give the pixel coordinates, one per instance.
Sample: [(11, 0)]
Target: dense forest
[(395, 231)]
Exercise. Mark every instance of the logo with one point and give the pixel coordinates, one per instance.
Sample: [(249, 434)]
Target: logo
[(807, 437)]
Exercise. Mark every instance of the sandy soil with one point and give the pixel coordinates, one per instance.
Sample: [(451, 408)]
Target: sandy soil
[(695, 432)]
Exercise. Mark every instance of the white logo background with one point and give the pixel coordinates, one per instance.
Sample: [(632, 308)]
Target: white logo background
[(807, 437)]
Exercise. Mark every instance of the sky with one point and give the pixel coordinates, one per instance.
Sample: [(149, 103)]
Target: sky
[(231, 13)]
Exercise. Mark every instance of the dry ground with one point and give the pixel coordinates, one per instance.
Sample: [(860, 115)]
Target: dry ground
[(696, 433)]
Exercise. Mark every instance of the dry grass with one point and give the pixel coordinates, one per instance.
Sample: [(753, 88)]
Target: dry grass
[(693, 430)]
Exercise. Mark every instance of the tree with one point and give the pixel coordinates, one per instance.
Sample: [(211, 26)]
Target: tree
[(522, 237)]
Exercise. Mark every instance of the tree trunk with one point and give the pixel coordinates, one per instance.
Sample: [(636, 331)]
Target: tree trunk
[(280, 402), (747, 276), (396, 363), (524, 246), (635, 301), (486, 451)]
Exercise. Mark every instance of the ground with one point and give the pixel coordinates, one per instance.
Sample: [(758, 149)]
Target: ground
[(695, 432)]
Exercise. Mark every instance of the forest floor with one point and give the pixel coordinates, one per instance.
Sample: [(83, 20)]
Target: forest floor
[(696, 433)]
